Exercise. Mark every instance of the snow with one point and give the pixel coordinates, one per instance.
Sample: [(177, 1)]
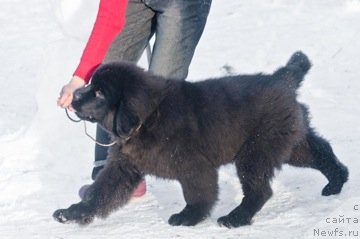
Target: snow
[(45, 158)]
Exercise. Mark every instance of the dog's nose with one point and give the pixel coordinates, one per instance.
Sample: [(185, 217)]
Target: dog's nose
[(76, 95)]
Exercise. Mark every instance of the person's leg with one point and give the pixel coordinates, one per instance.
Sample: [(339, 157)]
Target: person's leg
[(132, 40), (127, 46), (179, 26), (100, 151)]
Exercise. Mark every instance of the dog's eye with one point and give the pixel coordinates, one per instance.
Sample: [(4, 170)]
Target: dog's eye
[(99, 94)]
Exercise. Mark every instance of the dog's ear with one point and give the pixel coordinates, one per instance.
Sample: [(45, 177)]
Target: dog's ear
[(125, 121)]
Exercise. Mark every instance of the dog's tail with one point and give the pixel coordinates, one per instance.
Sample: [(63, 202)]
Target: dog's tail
[(299, 60), (295, 70)]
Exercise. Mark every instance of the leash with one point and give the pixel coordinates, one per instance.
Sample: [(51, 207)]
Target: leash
[(73, 120), (86, 132)]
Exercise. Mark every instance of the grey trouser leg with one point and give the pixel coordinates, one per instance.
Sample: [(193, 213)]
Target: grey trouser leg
[(177, 25), (132, 40)]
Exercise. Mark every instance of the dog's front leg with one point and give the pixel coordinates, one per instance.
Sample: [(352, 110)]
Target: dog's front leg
[(112, 189), (200, 192)]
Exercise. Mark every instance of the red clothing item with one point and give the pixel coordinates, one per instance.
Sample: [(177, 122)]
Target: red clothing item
[(109, 22)]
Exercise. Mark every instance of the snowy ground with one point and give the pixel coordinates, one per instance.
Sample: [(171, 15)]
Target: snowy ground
[(45, 158)]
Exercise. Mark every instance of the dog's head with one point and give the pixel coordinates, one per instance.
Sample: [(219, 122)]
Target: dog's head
[(120, 97)]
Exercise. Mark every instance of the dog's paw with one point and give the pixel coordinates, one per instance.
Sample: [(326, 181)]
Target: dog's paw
[(231, 221), (77, 213), (185, 219), (335, 185), (60, 216), (332, 189)]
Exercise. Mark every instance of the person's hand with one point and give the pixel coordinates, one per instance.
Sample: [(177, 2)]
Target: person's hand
[(66, 94)]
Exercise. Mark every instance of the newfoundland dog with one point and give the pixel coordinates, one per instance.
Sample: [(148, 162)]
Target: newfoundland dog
[(185, 131)]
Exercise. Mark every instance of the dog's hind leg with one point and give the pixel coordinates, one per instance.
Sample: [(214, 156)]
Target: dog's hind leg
[(317, 153), (200, 191), (255, 164), (257, 191), (112, 189)]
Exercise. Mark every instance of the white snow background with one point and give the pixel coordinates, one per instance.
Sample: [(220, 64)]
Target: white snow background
[(45, 158)]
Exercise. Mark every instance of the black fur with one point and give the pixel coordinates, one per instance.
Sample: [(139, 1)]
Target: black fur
[(186, 131)]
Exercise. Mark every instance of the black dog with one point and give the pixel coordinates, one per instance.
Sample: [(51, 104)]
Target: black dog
[(186, 131)]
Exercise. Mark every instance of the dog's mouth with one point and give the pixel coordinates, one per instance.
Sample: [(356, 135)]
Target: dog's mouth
[(78, 110), (89, 118)]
